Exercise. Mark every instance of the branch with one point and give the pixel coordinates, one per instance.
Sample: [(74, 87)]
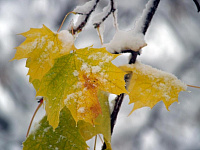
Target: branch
[(147, 15), (118, 102), (85, 20), (112, 10), (133, 55), (197, 5), (144, 23)]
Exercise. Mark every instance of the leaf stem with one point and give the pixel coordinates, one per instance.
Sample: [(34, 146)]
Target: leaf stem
[(65, 19), (100, 138), (193, 86), (95, 142), (40, 104), (100, 36)]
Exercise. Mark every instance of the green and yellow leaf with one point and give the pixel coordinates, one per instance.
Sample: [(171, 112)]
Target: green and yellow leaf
[(65, 137), (68, 136), (41, 47), (75, 80), (148, 86)]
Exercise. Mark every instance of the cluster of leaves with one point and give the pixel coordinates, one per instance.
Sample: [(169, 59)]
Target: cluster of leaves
[(75, 84), (70, 79)]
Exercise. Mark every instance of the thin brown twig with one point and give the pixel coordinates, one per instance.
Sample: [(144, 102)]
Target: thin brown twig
[(95, 142), (100, 138), (100, 36), (193, 86), (40, 104), (64, 20)]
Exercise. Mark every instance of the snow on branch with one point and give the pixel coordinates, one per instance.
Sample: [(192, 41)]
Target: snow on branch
[(85, 12), (133, 40), (101, 17), (143, 23), (126, 40)]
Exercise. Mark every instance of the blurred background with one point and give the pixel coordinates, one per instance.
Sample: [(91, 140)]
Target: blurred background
[(173, 46)]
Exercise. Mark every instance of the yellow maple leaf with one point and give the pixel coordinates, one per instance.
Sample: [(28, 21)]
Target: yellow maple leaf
[(88, 105), (75, 80), (148, 86), (41, 47)]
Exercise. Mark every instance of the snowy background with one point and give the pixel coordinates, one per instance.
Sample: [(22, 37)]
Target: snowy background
[(173, 46)]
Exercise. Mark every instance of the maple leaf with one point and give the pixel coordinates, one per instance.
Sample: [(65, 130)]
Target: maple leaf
[(75, 80), (65, 137), (148, 86), (102, 125), (68, 135), (41, 47)]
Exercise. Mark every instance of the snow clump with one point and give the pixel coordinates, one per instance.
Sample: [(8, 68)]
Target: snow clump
[(126, 40), (67, 40)]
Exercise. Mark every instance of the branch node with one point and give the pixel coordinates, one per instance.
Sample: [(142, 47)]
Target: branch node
[(112, 10), (85, 20)]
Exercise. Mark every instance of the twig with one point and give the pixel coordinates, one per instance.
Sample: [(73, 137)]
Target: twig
[(197, 5), (133, 55), (40, 104), (100, 138), (95, 142), (118, 102), (64, 20), (112, 10), (100, 36), (193, 86), (82, 24)]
